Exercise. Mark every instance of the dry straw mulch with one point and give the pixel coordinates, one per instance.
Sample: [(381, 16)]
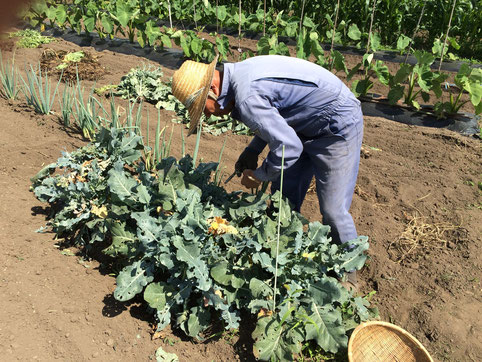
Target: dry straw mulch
[(88, 68), (420, 235)]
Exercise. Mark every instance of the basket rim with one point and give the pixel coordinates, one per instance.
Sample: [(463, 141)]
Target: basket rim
[(389, 326)]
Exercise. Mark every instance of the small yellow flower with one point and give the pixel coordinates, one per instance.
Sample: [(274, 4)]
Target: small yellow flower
[(265, 312), (99, 211), (219, 226), (308, 255)]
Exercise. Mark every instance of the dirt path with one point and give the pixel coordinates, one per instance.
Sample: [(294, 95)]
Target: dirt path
[(55, 305)]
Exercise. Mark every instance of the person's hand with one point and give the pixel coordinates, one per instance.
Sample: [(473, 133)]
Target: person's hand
[(248, 180), (247, 160)]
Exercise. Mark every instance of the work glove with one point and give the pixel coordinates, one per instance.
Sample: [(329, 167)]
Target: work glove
[(248, 160)]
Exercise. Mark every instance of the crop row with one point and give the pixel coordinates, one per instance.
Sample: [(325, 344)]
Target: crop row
[(391, 19), (138, 23), (199, 256)]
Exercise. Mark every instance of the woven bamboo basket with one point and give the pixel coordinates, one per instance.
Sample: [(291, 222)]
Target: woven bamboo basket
[(385, 342)]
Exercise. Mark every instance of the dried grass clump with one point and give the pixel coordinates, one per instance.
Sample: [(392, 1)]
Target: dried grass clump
[(419, 235), (87, 68)]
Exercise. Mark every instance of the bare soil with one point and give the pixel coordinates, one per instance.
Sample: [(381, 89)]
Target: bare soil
[(417, 188)]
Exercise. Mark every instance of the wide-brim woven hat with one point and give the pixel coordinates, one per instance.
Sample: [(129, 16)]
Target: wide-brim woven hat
[(191, 84), (383, 341)]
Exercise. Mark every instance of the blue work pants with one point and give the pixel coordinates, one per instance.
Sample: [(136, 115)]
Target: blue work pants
[(333, 159)]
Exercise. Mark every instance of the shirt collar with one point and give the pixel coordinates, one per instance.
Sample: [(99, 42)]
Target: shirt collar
[(227, 93)]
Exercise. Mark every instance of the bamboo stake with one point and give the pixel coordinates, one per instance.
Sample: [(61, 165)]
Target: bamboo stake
[(302, 14), (333, 35), (334, 26), (371, 25), (446, 36), (239, 28), (217, 21), (415, 31), (170, 15), (194, 7), (264, 19), (279, 226)]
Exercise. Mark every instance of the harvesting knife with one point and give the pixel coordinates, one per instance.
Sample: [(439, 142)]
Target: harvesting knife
[(235, 173)]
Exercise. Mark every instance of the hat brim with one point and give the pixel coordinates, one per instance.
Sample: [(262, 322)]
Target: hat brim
[(197, 108)]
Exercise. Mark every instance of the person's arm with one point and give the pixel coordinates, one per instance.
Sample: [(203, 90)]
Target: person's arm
[(268, 125), (257, 145)]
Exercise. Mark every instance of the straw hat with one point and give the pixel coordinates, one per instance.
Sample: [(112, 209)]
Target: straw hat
[(383, 341), (191, 84)]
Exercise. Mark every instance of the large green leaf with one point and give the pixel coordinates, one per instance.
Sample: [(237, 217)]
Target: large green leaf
[(259, 288), (119, 183), (326, 327), (157, 294), (132, 280), (317, 234), (223, 274), (123, 240), (124, 12), (196, 268), (107, 23), (274, 340), (353, 32), (325, 291), (199, 320)]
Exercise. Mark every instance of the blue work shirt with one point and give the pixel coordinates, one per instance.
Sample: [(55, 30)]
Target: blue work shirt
[(283, 100)]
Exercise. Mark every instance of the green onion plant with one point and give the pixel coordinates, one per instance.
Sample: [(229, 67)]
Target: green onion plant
[(86, 114), (8, 79), (38, 91), (66, 104)]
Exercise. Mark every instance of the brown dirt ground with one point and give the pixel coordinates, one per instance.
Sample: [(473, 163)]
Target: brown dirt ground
[(56, 304)]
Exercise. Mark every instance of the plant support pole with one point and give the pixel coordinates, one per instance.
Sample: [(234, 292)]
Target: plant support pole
[(302, 14), (239, 28), (169, 10), (415, 31), (446, 36), (371, 25), (194, 8), (264, 19), (334, 26), (279, 226)]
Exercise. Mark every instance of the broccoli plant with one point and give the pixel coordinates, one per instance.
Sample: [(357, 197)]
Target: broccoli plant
[(197, 253)]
